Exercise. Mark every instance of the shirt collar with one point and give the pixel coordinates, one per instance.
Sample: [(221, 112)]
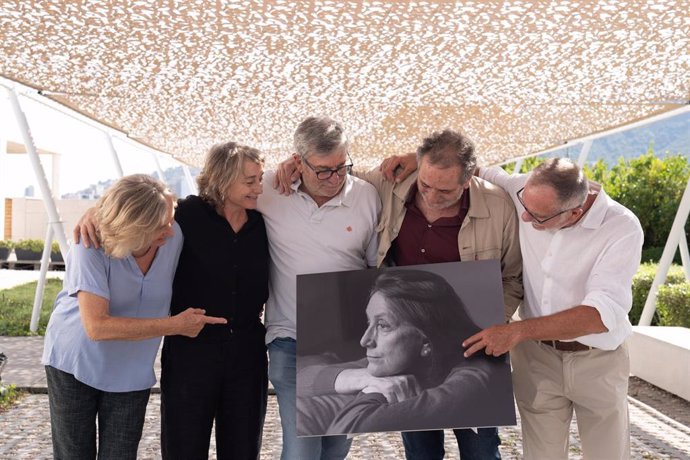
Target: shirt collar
[(465, 202), (344, 198), (594, 217)]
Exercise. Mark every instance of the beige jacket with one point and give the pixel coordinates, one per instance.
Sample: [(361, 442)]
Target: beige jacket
[(490, 230)]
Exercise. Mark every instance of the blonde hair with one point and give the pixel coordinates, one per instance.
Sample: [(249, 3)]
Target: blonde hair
[(130, 212), (222, 167)]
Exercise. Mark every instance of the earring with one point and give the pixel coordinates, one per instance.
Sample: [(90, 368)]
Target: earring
[(426, 350)]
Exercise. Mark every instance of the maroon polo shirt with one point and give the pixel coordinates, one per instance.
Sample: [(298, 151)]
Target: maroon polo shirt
[(422, 242)]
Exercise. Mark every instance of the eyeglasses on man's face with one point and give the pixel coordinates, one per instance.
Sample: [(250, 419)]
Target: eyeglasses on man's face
[(326, 173), (540, 221)]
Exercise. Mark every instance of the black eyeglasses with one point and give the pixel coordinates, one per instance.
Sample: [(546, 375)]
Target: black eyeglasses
[(535, 218), (324, 174)]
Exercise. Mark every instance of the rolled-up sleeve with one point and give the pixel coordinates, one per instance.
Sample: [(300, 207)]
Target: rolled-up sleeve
[(608, 289)]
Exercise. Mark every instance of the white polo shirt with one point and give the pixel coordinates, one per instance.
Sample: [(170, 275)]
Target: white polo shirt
[(304, 238), (591, 263)]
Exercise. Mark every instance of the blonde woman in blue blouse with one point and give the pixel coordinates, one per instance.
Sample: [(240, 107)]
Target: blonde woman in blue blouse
[(105, 330)]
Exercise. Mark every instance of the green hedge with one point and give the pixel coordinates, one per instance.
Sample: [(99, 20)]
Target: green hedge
[(642, 281), (673, 305), (30, 245)]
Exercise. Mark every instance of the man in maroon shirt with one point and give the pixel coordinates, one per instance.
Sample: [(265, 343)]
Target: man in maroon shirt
[(443, 213)]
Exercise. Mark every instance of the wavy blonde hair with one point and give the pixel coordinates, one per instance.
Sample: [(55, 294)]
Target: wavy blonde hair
[(130, 212), (222, 167)]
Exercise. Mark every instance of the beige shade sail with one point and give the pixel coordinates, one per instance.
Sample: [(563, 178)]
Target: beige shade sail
[(518, 77)]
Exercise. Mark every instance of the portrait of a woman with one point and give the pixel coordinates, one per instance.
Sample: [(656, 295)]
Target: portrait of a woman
[(414, 375)]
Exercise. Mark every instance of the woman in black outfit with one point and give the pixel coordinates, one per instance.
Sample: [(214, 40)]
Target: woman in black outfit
[(221, 374)]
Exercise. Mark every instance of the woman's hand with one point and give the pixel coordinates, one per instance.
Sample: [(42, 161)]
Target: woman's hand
[(100, 325), (191, 321), (85, 230), (396, 388)]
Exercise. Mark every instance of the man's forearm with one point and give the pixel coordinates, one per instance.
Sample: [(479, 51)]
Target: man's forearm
[(565, 325)]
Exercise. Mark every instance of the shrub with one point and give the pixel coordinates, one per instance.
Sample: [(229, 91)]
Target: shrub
[(8, 395), (673, 305), (650, 187), (653, 254), (30, 245), (6, 244), (642, 282)]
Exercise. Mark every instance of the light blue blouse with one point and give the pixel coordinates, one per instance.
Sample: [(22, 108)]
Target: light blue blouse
[(112, 365)]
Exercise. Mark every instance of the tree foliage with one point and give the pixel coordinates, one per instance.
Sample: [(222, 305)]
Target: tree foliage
[(651, 187)]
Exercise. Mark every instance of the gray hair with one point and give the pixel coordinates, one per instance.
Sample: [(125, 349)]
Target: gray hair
[(566, 178), (319, 136), (449, 148)]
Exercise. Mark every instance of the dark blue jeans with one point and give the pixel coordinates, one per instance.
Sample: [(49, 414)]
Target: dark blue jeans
[(282, 372), (74, 407), (428, 445)]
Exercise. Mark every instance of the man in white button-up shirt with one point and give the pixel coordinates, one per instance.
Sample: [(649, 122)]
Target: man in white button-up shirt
[(580, 250)]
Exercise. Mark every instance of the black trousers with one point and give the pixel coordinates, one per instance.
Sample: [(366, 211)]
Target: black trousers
[(223, 380)]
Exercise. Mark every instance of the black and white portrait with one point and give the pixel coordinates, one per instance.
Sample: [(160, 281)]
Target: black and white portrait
[(381, 350)]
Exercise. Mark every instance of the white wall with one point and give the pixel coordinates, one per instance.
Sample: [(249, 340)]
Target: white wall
[(30, 220)]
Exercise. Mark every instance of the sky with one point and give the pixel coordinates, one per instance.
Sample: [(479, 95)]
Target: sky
[(85, 156)]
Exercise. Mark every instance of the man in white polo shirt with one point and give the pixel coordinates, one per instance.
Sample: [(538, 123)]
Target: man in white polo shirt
[(580, 250), (328, 224)]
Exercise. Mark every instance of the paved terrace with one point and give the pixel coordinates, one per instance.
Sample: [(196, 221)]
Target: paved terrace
[(660, 421)]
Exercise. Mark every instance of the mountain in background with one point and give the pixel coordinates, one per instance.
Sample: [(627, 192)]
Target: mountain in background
[(174, 178), (667, 137)]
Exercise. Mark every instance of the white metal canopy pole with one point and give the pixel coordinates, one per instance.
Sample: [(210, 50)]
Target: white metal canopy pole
[(113, 154), (518, 166), (684, 256), (40, 287), (584, 152), (189, 179), (161, 176), (48, 200), (677, 232), (54, 222)]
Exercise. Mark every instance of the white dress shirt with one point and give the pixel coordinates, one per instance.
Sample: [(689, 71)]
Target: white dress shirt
[(590, 263)]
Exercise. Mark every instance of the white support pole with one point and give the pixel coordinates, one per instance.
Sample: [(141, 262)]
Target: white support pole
[(55, 173), (684, 256), (584, 152), (677, 230), (189, 179), (113, 154), (40, 287), (518, 166), (161, 176), (48, 200)]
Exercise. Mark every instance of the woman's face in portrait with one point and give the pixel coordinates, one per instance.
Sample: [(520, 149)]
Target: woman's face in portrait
[(393, 346)]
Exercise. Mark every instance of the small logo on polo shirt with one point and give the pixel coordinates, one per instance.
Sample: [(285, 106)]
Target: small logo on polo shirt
[(348, 228)]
